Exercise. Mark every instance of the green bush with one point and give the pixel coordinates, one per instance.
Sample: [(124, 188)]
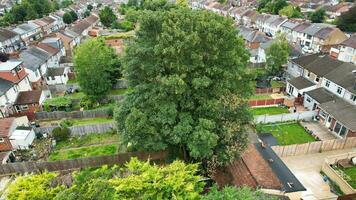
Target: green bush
[(124, 25), (65, 123), (86, 103), (61, 133)]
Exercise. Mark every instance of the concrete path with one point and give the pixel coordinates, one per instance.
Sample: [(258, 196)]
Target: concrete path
[(307, 169), (321, 131)]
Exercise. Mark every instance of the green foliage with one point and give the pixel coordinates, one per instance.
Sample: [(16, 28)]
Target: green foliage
[(132, 15), (90, 7), (66, 3), (107, 16), (74, 15), (67, 18), (28, 10), (277, 55), (61, 133), (187, 71), (124, 25), (57, 103), (233, 193), (65, 123), (271, 6), (318, 15), (36, 186), (291, 12), (347, 20), (86, 13), (97, 68)]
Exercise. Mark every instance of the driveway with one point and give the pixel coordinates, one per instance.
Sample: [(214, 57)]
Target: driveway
[(307, 169)]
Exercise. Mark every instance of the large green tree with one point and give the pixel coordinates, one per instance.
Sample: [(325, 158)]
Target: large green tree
[(318, 15), (97, 68), (107, 16), (277, 55), (271, 6), (190, 88), (347, 20), (67, 18), (291, 12)]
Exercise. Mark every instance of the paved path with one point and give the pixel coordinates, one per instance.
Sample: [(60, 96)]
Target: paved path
[(307, 169), (321, 131)]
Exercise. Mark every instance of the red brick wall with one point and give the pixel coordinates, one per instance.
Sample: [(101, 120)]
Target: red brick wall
[(351, 133)]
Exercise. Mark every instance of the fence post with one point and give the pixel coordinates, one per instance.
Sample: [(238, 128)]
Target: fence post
[(264, 121), (282, 117)]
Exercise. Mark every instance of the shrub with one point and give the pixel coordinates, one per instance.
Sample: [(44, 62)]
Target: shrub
[(86, 103), (61, 133), (124, 25), (65, 123)]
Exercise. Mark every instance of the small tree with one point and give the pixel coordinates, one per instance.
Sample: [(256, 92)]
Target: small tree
[(107, 16), (74, 15), (318, 16), (90, 7), (277, 55), (291, 12), (61, 133), (67, 18)]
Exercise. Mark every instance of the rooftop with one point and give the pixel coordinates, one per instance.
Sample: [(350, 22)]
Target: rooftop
[(6, 34), (5, 125), (9, 65), (28, 97), (300, 82), (351, 42), (58, 71), (5, 85), (321, 95), (343, 76)]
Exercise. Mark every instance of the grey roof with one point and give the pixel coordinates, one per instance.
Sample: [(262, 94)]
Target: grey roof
[(6, 34), (289, 24), (267, 44), (351, 42), (278, 21), (271, 19), (5, 85), (324, 32), (321, 95), (26, 27), (33, 58), (314, 28), (343, 76), (300, 82), (342, 111), (252, 35), (57, 71)]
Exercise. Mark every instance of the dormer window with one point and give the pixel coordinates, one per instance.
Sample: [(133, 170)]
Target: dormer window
[(339, 90), (327, 83), (353, 97)]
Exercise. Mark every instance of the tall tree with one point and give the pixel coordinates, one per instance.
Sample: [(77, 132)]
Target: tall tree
[(317, 16), (190, 88), (67, 18), (347, 20), (277, 55), (74, 15), (96, 66), (107, 16)]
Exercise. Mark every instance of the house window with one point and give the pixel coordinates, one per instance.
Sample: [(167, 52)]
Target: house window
[(339, 90), (24, 107), (291, 88), (317, 79), (53, 78), (308, 99), (327, 83), (2, 140), (308, 75), (353, 97), (322, 114), (309, 37), (307, 44), (48, 78)]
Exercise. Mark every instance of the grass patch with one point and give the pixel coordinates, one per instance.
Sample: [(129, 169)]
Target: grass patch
[(72, 81), (84, 152), (91, 139), (277, 84), (349, 175), (76, 95), (287, 134), (119, 91), (86, 121), (260, 97), (269, 111)]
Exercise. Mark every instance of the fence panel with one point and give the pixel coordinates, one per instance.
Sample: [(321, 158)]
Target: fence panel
[(75, 114), (307, 115), (83, 129)]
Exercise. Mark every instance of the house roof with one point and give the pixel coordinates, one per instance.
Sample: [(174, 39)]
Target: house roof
[(48, 19), (49, 49), (301, 27), (92, 19), (5, 125), (26, 27), (34, 57), (267, 44), (252, 35), (300, 82), (318, 64), (314, 28), (351, 42), (278, 21), (58, 71), (20, 134), (80, 27), (324, 32), (28, 97), (343, 76), (64, 37), (342, 111), (9, 65), (6, 34), (321, 95), (5, 85)]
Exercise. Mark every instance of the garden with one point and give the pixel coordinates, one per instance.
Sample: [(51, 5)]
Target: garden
[(287, 133), (269, 110), (348, 174)]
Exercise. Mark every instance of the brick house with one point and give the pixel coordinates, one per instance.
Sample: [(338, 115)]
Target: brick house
[(29, 101)]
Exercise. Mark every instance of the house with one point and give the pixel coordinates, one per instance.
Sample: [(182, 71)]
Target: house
[(58, 16), (261, 53), (35, 61), (9, 41), (237, 13), (55, 54), (296, 87), (13, 79), (252, 38), (272, 25), (297, 31), (57, 76), (28, 32), (47, 24), (249, 18), (260, 167), (334, 11), (69, 42), (261, 21), (30, 101), (15, 134), (315, 97), (82, 27), (346, 51), (288, 26), (55, 42)]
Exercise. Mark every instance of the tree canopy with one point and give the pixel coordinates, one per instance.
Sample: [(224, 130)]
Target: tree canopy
[(271, 6), (347, 20), (97, 68), (277, 55), (318, 15), (291, 12), (190, 87), (107, 16), (67, 18)]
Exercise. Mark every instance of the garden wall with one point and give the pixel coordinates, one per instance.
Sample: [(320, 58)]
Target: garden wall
[(265, 102), (269, 90), (28, 167), (306, 115), (74, 114), (315, 147), (334, 176), (82, 130)]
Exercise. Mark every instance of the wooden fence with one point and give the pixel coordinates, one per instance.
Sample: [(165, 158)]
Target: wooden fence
[(334, 176), (83, 129), (269, 90), (315, 147), (266, 102), (75, 114), (28, 167)]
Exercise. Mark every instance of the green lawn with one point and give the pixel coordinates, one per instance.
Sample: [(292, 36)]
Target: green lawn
[(83, 152), (351, 176), (76, 95), (287, 134), (277, 84), (269, 111), (91, 139), (85, 121), (260, 97), (119, 91)]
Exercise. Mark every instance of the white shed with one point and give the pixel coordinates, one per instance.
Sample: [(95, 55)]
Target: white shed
[(22, 137)]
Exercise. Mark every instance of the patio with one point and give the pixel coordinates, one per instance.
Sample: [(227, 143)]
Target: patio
[(319, 130)]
